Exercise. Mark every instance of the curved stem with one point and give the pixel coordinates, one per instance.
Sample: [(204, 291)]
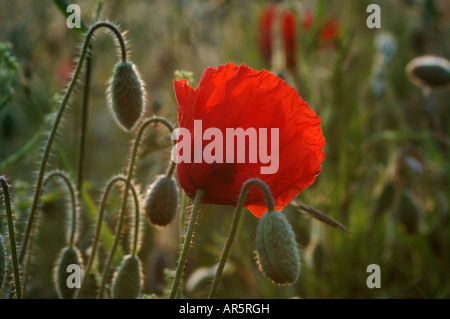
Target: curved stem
[(130, 174), (187, 243), (73, 199), (171, 169), (98, 229), (74, 204), (234, 226), (57, 121), (12, 237)]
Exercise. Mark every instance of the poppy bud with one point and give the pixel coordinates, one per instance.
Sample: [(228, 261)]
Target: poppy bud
[(430, 71), (69, 256), (127, 281), (407, 212), (91, 288), (162, 201), (276, 249), (2, 263), (126, 95)]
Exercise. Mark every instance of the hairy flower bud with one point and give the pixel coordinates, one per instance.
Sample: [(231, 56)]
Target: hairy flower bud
[(127, 281), (126, 95), (162, 201), (276, 249), (69, 256)]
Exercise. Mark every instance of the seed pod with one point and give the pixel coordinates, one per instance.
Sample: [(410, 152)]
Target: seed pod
[(276, 249), (407, 212), (162, 201), (385, 199), (431, 71), (126, 95), (70, 255), (2, 263), (127, 281)]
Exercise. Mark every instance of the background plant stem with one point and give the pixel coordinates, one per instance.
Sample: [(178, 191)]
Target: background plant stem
[(187, 242)]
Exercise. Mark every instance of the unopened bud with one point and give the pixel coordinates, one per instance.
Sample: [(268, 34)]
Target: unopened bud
[(69, 256), (162, 201), (127, 281), (429, 71), (126, 95), (276, 249)]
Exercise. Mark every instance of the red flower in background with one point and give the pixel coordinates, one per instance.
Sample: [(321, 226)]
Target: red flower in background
[(288, 26), (328, 34), (240, 97), (288, 33)]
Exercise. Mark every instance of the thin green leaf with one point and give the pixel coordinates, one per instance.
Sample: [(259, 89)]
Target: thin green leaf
[(317, 214), (62, 6)]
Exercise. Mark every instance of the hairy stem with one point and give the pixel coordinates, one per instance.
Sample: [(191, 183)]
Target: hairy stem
[(187, 243), (98, 229), (130, 174), (73, 199), (74, 206), (84, 119), (57, 121), (234, 227), (12, 237)]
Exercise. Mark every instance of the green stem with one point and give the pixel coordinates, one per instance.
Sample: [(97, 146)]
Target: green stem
[(57, 121), (73, 199), (234, 226), (27, 266), (85, 104), (171, 169), (98, 229), (12, 237), (74, 205), (185, 203), (130, 174), (431, 107), (187, 243), (84, 119)]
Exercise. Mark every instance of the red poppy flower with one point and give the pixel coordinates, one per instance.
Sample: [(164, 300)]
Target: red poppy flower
[(328, 34), (288, 34), (240, 97)]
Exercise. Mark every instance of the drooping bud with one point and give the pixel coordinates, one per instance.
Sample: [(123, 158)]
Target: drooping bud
[(2, 263), (70, 255), (407, 212), (91, 289), (127, 281), (162, 201), (276, 249), (126, 95), (429, 71)]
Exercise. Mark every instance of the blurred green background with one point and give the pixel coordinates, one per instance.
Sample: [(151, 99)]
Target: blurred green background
[(380, 135)]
